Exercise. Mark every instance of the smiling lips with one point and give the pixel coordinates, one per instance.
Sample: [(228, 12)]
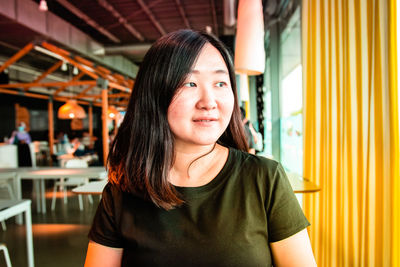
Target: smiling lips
[(205, 121)]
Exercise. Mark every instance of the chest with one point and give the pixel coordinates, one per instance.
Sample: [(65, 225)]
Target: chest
[(221, 229)]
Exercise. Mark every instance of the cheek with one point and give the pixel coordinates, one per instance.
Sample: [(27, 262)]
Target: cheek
[(176, 110), (228, 104)]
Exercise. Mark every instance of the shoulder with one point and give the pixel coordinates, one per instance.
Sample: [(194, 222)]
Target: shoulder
[(253, 168), (112, 196), (116, 198), (251, 161)]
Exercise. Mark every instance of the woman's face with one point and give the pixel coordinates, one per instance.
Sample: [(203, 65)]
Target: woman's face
[(201, 109)]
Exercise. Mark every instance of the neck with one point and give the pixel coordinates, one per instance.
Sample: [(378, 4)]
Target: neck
[(191, 164)]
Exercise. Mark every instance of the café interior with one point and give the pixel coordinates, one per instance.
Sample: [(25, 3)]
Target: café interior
[(318, 81)]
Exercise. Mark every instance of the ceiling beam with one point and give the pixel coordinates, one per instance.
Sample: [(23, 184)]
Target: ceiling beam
[(135, 14), (121, 19), (152, 17), (88, 20), (62, 88), (49, 84), (17, 56), (47, 72), (35, 95), (183, 14), (65, 55), (214, 17), (83, 93)]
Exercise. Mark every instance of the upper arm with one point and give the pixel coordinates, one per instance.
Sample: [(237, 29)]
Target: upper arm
[(99, 255), (293, 251)]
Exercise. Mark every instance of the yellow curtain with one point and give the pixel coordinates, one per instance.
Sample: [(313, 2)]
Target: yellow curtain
[(351, 131)]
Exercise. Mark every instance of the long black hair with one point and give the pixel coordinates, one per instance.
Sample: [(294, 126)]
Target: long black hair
[(142, 153)]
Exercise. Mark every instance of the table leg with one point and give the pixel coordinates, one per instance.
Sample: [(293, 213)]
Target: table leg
[(38, 198), (18, 194), (43, 195), (29, 239)]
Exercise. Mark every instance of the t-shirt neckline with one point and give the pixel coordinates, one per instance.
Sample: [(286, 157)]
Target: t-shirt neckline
[(203, 189)]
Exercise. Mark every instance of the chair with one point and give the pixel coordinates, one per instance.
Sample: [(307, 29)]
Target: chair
[(11, 208), (5, 183), (6, 256), (72, 181)]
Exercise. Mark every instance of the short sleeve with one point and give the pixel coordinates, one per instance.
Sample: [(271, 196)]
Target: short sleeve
[(285, 216), (104, 229)]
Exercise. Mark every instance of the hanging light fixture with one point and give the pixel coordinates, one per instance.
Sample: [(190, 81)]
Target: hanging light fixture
[(64, 66), (112, 112), (244, 87), (75, 71), (249, 50), (43, 5), (71, 110)]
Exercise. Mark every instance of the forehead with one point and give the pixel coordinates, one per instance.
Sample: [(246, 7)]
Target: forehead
[(209, 59)]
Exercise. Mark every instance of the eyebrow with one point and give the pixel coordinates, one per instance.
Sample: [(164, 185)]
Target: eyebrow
[(219, 71)]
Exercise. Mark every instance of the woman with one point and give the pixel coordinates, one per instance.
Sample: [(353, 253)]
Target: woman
[(22, 139), (20, 136), (182, 191)]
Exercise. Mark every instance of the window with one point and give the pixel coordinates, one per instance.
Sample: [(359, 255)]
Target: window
[(283, 133)]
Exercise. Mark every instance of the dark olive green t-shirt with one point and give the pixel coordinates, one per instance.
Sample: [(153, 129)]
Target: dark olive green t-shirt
[(228, 222)]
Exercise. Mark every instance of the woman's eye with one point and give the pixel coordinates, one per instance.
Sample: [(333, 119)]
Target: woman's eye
[(221, 84), (190, 84)]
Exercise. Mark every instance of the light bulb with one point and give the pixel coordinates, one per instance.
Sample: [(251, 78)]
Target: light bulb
[(64, 66), (75, 71), (71, 115), (43, 5)]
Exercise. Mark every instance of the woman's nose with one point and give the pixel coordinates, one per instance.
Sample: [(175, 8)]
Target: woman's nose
[(207, 99)]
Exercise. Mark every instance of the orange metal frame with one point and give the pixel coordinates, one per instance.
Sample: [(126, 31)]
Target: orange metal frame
[(86, 67)]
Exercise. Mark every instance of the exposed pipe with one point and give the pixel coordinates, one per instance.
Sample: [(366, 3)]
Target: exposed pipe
[(134, 50)]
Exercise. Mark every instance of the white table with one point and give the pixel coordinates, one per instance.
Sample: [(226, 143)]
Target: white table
[(92, 188), (43, 173), (10, 208)]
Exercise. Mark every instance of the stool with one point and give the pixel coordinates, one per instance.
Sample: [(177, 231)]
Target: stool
[(6, 256)]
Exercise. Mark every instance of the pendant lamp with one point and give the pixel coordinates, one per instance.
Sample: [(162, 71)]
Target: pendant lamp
[(244, 87), (112, 112), (43, 5), (71, 110), (249, 49)]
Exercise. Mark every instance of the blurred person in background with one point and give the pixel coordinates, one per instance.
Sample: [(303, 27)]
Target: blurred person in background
[(22, 139), (20, 135)]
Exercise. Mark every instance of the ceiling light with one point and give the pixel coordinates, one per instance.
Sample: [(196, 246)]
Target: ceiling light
[(249, 51), (75, 71), (71, 110), (43, 5), (64, 66), (48, 52), (244, 87), (112, 112)]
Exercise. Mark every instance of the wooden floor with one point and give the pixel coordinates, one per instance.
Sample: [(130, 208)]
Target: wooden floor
[(59, 237)]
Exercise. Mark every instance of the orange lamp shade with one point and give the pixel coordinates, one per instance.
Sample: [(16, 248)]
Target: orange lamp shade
[(71, 110), (112, 112)]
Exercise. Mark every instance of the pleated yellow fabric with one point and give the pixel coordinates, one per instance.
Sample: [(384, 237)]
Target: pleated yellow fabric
[(393, 85), (351, 131)]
